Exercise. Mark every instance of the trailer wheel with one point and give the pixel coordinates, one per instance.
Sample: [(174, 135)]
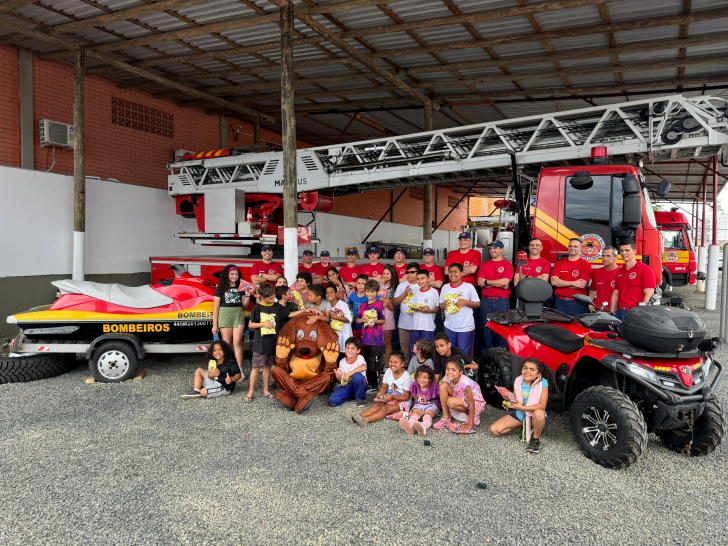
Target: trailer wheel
[(608, 427), (22, 369), (706, 436), (113, 362), (494, 368)]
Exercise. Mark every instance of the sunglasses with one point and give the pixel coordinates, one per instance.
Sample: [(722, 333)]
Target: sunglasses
[(412, 272)]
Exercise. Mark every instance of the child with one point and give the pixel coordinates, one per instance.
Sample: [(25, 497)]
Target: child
[(228, 315), (532, 390), (426, 396), (425, 303), (317, 302), (458, 299), (266, 320), (340, 316), (219, 378), (371, 317), (299, 292), (356, 300), (445, 350), (386, 292), (422, 356), (351, 375), (394, 395), (334, 278), (460, 396), (284, 298), (403, 297), (281, 281)]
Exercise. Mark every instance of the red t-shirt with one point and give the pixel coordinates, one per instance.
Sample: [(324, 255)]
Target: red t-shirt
[(571, 271), (349, 274), (316, 270), (603, 282), (371, 270), (262, 268), (534, 268), (471, 257), (631, 284), (401, 269), (435, 272), (493, 270)]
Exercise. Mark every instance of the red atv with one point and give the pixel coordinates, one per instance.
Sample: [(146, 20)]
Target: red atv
[(656, 373)]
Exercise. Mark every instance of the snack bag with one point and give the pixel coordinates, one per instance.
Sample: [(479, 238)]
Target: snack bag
[(297, 297), (211, 365), (507, 395), (268, 317), (370, 315), (450, 300), (246, 285), (383, 291), (336, 324)]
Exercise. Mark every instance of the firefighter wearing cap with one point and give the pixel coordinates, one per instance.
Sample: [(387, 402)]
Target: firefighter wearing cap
[(373, 269), (635, 282), (436, 277), (399, 265), (317, 274), (570, 276), (267, 270), (325, 261), (469, 258), (495, 277), (351, 270)]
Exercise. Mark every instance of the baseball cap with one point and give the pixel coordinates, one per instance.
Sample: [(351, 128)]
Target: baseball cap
[(266, 247), (351, 251), (325, 253), (307, 251), (429, 250), (373, 250), (402, 250), (464, 235), (497, 244)]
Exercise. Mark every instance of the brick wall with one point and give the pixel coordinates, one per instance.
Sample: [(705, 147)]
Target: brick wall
[(9, 108)]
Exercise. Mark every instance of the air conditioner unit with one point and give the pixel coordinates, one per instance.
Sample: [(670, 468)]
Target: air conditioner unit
[(180, 153), (55, 133)]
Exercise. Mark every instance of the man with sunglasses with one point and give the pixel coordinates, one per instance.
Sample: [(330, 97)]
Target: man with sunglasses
[(402, 297)]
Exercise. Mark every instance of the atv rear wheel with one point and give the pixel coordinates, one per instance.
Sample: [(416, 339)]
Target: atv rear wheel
[(706, 435), (113, 362), (608, 427), (22, 369), (494, 368)]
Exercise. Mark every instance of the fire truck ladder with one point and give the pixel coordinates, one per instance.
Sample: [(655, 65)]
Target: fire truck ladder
[(651, 126)]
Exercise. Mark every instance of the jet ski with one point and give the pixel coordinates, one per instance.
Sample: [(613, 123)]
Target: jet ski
[(175, 310)]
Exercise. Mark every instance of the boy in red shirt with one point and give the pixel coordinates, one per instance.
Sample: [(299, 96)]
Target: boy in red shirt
[(635, 281), (494, 276), (469, 258), (570, 276), (373, 269)]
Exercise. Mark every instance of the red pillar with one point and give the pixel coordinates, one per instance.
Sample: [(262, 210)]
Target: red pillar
[(705, 188), (715, 200)]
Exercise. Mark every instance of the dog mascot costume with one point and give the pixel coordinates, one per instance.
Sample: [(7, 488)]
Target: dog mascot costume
[(306, 357)]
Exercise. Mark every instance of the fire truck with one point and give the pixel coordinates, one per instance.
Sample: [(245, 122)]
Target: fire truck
[(679, 264)]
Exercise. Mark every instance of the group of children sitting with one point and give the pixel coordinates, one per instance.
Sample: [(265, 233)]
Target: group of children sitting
[(437, 380)]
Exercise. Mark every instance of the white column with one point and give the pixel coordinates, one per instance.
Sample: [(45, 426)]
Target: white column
[(290, 254), (702, 262), (724, 294), (79, 238), (711, 292)]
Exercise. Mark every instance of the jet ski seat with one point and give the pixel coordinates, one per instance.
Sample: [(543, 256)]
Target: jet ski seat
[(135, 297)]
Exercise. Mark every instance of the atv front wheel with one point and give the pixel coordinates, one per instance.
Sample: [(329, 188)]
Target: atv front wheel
[(707, 433), (494, 368), (608, 427)]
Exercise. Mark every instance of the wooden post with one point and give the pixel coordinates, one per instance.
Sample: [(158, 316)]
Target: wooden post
[(288, 121), (427, 192), (256, 129), (79, 167)]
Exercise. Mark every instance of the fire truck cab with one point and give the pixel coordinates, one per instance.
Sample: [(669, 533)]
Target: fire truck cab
[(679, 264)]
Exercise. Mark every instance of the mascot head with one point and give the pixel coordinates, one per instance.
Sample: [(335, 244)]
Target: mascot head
[(309, 344)]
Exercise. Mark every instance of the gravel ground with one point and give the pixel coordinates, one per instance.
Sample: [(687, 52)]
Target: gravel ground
[(134, 464)]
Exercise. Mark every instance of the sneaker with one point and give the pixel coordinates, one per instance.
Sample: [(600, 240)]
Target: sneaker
[(361, 403), (534, 446), (372, 391), (192, 394)]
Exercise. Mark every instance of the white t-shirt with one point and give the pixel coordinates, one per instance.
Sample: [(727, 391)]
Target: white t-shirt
[(462, 320), (425, 321), (345, 332), (405, 319), (345, 367), (398, 386)]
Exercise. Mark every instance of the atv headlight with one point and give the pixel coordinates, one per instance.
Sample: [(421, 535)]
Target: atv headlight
[(707, 363), (641, 371)]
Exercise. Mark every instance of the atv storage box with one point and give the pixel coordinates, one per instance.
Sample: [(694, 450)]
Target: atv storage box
[(663, 329)]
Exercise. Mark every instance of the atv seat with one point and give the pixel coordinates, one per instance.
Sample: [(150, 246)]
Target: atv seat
[(556, 337), (135, 297)]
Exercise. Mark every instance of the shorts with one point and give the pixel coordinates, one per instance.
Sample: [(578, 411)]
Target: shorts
[(545, 426), (214, 387), (424, 407), (260, 360), (230, 317), (388, 321)]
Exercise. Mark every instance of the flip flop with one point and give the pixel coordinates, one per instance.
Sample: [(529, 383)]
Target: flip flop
[(269, 395), (248, 399)]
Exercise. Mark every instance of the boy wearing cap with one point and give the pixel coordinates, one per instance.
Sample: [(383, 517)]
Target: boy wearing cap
[(373, 269), (399, 257), (314, 269), (350, 271), (266, 271), (494, 276), (470, 258)]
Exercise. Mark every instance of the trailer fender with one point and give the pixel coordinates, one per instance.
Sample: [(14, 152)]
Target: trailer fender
[(128, 338)]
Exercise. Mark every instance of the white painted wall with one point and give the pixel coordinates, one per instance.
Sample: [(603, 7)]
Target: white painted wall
[(125, 225)]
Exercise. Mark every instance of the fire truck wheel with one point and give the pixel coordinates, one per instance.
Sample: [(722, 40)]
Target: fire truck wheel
[(666, 280), (113, 362), (25, 368), (608, 427), (494, 368), (706, 436)]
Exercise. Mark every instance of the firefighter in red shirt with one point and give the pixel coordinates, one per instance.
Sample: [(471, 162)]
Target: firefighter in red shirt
[(267, 270), (469, 258), (494, 276), (570, 276), (604, 279), (635, 281), (314, 269), (536, 266), (400, 255)]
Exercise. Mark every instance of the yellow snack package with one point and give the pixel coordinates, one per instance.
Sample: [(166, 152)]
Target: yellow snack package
[(297, 296), (370, 315), (211, 365), (336, 324), (268, 317), (451, 300)]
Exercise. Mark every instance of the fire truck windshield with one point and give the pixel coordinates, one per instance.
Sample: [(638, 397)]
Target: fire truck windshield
[(648, 207), (587, 204)]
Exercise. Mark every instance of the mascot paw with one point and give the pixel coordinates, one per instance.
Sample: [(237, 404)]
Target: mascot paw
[(331, 352), (284, 348)]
